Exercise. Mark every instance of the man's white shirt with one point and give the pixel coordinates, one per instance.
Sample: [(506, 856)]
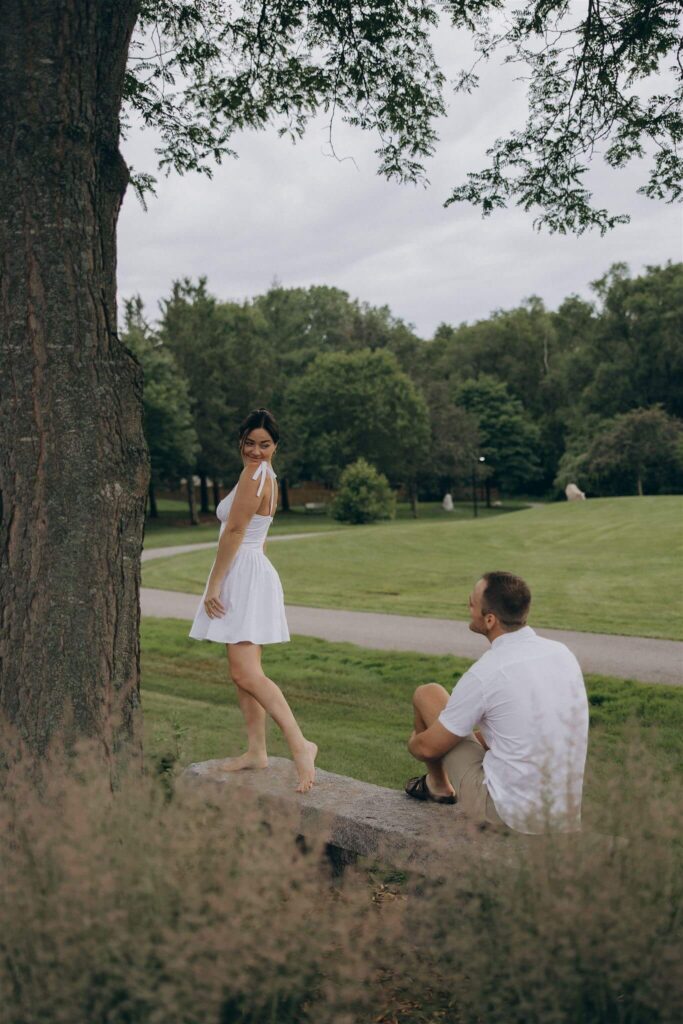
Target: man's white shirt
[(528, 697)]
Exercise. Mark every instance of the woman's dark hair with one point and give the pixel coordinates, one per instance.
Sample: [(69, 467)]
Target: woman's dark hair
[(508, 597), (259, 418)]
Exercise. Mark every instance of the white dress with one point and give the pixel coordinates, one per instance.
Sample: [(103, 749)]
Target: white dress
[(251, 592)]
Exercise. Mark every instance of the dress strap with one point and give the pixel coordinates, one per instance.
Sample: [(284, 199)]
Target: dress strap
[(263, 470)]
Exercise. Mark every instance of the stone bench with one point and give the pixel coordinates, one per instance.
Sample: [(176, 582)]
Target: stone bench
[(360, 819)]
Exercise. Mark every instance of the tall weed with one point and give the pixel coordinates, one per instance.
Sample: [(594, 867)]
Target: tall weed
[(126, 905)]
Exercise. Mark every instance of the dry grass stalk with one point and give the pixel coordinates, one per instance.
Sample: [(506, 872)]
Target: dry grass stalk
[(131, 907)]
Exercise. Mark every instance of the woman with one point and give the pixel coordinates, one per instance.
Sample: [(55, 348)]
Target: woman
[(243, 605)]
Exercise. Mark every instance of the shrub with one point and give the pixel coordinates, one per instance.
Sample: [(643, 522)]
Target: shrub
[(364, 495), (582, 928), (126, 907)]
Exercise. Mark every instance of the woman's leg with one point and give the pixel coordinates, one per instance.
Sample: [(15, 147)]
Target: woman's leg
[(255, 720), (429, 701), (247, 674)]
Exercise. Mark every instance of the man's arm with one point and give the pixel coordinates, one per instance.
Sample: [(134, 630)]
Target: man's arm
[(432, 743)]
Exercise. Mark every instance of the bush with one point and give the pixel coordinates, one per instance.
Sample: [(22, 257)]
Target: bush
[(570, 929), (126, 907), (364, 495)]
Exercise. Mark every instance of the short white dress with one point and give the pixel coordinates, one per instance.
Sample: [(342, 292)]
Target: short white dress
[(251, 592)]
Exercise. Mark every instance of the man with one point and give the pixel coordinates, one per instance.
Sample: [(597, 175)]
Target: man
[(524, 767)]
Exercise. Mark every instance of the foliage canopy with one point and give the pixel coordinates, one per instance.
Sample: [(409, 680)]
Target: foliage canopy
[(167, 402), (607, 79), (533, 390), (357, 402)]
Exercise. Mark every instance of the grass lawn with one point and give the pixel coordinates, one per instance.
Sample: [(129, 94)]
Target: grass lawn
[(355, 703), (609, 565), (172, 527)]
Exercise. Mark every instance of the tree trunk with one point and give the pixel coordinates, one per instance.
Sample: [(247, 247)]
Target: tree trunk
[(487, 485), (204, 494), (640, 485), (412, 489), (216, 493), (74, 465), (153, 510), (284, 494), (192, 504)]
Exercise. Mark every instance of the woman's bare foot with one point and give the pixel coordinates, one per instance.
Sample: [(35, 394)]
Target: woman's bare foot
[(305, 766), (238, 764)]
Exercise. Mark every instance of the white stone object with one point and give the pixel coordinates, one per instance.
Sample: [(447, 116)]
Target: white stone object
[(369, 820), (573, 493)]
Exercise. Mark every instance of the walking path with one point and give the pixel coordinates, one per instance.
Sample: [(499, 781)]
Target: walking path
[(627, 657)]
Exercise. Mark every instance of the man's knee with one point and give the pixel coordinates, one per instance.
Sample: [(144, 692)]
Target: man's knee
[(429, 691)]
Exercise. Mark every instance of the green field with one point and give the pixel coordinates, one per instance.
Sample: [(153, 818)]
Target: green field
[(172, 527), (608, 565), (355, 703)]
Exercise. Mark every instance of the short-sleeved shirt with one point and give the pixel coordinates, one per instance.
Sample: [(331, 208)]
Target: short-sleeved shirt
[(528, 697)]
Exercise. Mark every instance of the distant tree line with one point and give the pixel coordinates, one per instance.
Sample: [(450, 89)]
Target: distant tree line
[(590, 392)]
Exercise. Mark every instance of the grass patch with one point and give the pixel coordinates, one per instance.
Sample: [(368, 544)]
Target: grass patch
[(598, 566), (356, 704), (172, 527)]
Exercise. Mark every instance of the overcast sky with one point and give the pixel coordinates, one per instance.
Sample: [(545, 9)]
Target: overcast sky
[(294, 213)]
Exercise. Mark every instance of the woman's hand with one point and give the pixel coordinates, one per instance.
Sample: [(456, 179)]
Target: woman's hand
[(212, 602)]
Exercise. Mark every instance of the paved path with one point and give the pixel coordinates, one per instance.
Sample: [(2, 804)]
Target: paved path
[(627, 657)]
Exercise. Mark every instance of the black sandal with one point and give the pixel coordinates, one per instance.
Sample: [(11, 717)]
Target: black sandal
[(418, 789)]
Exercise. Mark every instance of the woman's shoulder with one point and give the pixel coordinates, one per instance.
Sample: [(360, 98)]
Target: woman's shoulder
[(250, 479)]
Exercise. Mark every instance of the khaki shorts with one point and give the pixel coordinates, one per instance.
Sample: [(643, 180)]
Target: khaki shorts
[(464, 767)]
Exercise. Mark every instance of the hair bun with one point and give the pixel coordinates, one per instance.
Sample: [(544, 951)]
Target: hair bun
[(260, 418)]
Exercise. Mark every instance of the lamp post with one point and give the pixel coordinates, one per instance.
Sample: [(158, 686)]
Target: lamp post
[(480, 458)]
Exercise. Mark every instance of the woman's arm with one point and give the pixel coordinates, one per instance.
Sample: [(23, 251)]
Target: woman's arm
[(244, 506)]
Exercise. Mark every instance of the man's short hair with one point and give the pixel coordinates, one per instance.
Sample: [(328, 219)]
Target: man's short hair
[(507, 597)]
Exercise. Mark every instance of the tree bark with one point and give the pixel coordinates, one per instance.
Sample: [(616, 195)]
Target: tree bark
[(74, 465), (412, 490), (153, 510), (204, 494), (191, 501)]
